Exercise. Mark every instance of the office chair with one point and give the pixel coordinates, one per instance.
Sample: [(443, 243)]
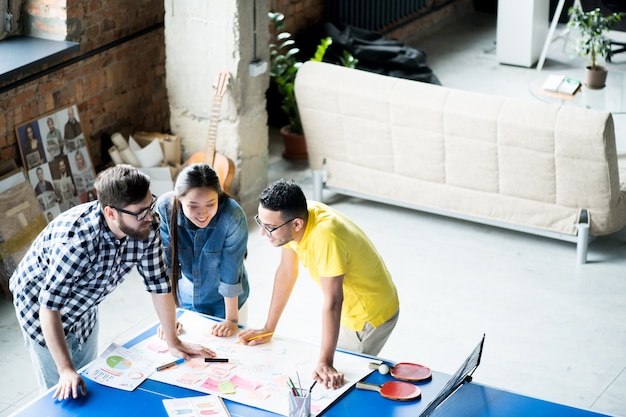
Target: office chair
[(615, 6)]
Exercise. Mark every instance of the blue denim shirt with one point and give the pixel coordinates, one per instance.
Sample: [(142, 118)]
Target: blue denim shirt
[(211, 259)]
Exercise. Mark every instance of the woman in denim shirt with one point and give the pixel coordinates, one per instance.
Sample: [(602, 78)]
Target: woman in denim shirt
[(211, 240)]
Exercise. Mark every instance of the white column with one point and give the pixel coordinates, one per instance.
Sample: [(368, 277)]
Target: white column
[(521, 30), (203, 38)]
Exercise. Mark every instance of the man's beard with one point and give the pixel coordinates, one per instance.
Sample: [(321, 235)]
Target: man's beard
[(279, 242), (140, 233)]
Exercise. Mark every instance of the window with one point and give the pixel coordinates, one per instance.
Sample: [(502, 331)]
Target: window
[(9, 16), (24, 51)]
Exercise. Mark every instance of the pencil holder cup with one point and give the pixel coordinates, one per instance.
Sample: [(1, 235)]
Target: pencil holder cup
[(299, 403)]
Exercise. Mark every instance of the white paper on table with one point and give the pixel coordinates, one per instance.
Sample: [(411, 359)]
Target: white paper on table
[(203, 405), (118, 367), (259, 374)]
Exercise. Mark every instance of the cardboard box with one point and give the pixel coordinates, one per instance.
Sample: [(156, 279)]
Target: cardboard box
[(7, 167), (161, 178), (21, 220), (170, 145)]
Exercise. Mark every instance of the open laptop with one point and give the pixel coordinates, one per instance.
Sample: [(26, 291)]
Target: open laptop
[(461, 376)]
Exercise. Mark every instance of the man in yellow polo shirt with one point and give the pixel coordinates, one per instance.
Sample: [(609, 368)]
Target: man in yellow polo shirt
[(360, 301)]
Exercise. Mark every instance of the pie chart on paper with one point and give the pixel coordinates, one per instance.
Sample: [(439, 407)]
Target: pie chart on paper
[(118, 362)]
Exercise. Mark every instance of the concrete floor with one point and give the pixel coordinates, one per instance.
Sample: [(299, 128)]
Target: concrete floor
[(555, 330)]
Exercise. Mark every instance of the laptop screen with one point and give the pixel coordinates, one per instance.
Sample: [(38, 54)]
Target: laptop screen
[(462, 375)]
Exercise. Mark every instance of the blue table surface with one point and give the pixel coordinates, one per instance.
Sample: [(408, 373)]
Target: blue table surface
[(471, 400)]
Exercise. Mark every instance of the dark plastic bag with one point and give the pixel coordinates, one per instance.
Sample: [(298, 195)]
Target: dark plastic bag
[(375, 52)]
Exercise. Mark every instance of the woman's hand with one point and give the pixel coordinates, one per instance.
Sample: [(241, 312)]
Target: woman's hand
[(255, 337)]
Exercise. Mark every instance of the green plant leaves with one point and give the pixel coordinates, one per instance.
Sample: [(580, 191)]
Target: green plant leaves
[(593, 26), (284, 66)]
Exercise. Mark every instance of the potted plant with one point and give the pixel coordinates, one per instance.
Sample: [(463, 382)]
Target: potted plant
[(593, 42), (284, 66)]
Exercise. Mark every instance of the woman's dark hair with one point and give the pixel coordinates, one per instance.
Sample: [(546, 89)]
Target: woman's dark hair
[(121, 186), (193, 176), (285, 197)]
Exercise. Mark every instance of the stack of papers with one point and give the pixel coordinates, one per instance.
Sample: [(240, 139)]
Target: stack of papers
[(205, 405), (561, 84)]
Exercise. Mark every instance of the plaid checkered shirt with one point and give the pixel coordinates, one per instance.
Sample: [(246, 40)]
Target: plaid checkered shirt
[(74, 263)]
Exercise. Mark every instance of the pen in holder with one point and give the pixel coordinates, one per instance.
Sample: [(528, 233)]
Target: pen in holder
[(299, 402)]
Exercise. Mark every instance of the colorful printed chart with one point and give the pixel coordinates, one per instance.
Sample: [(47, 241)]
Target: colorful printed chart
[(254, 375), (119, 367), (118, 362)]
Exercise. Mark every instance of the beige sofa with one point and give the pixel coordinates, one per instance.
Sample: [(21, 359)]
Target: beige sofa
[(524, 165)]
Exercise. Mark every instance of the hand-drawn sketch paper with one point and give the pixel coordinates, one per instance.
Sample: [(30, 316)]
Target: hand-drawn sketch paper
[(258, 375)]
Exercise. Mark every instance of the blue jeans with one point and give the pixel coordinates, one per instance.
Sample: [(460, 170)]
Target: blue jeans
[(46, 369), (185, 300)]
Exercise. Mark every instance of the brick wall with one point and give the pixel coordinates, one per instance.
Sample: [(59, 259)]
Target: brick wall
[(299, 14), (45, 19), (440, 13), (117, 80), (303, 14)]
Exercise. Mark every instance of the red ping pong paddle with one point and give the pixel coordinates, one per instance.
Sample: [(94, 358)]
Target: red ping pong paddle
[(394, 390), (405, 371)]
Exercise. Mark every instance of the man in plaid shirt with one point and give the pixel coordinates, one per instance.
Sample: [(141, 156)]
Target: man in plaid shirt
[(75, 262)]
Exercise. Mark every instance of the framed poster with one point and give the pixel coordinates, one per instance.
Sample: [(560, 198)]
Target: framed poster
[(56, 156)]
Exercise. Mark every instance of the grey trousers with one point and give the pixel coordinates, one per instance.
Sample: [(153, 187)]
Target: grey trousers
[(370, 340)]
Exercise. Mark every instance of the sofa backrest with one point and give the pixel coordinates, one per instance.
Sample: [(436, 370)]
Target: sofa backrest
[(525, 149)]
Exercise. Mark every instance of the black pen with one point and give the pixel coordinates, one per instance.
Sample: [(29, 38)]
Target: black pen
[(216, 359)]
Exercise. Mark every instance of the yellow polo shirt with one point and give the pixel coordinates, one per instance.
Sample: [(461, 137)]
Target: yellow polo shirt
[(333, 245)]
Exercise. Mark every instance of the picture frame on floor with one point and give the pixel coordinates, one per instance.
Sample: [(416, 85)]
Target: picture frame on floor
[(55, 152)]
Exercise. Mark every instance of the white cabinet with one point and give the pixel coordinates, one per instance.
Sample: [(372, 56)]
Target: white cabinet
[(521, 31)]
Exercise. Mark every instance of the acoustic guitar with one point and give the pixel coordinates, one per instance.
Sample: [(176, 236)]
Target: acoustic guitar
[(223, 166)]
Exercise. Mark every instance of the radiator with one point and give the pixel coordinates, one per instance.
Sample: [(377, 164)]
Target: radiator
[(374, 15)]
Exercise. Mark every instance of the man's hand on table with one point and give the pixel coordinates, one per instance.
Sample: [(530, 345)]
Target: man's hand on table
[(224, 329), (328, 376), (186, 350), (70, 385)]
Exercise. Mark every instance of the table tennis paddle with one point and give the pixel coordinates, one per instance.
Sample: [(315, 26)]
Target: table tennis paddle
[(405, 371), (394, 390)]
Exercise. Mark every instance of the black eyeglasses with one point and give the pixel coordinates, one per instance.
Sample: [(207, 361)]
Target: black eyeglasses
[(141, 214), (267, 229)]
